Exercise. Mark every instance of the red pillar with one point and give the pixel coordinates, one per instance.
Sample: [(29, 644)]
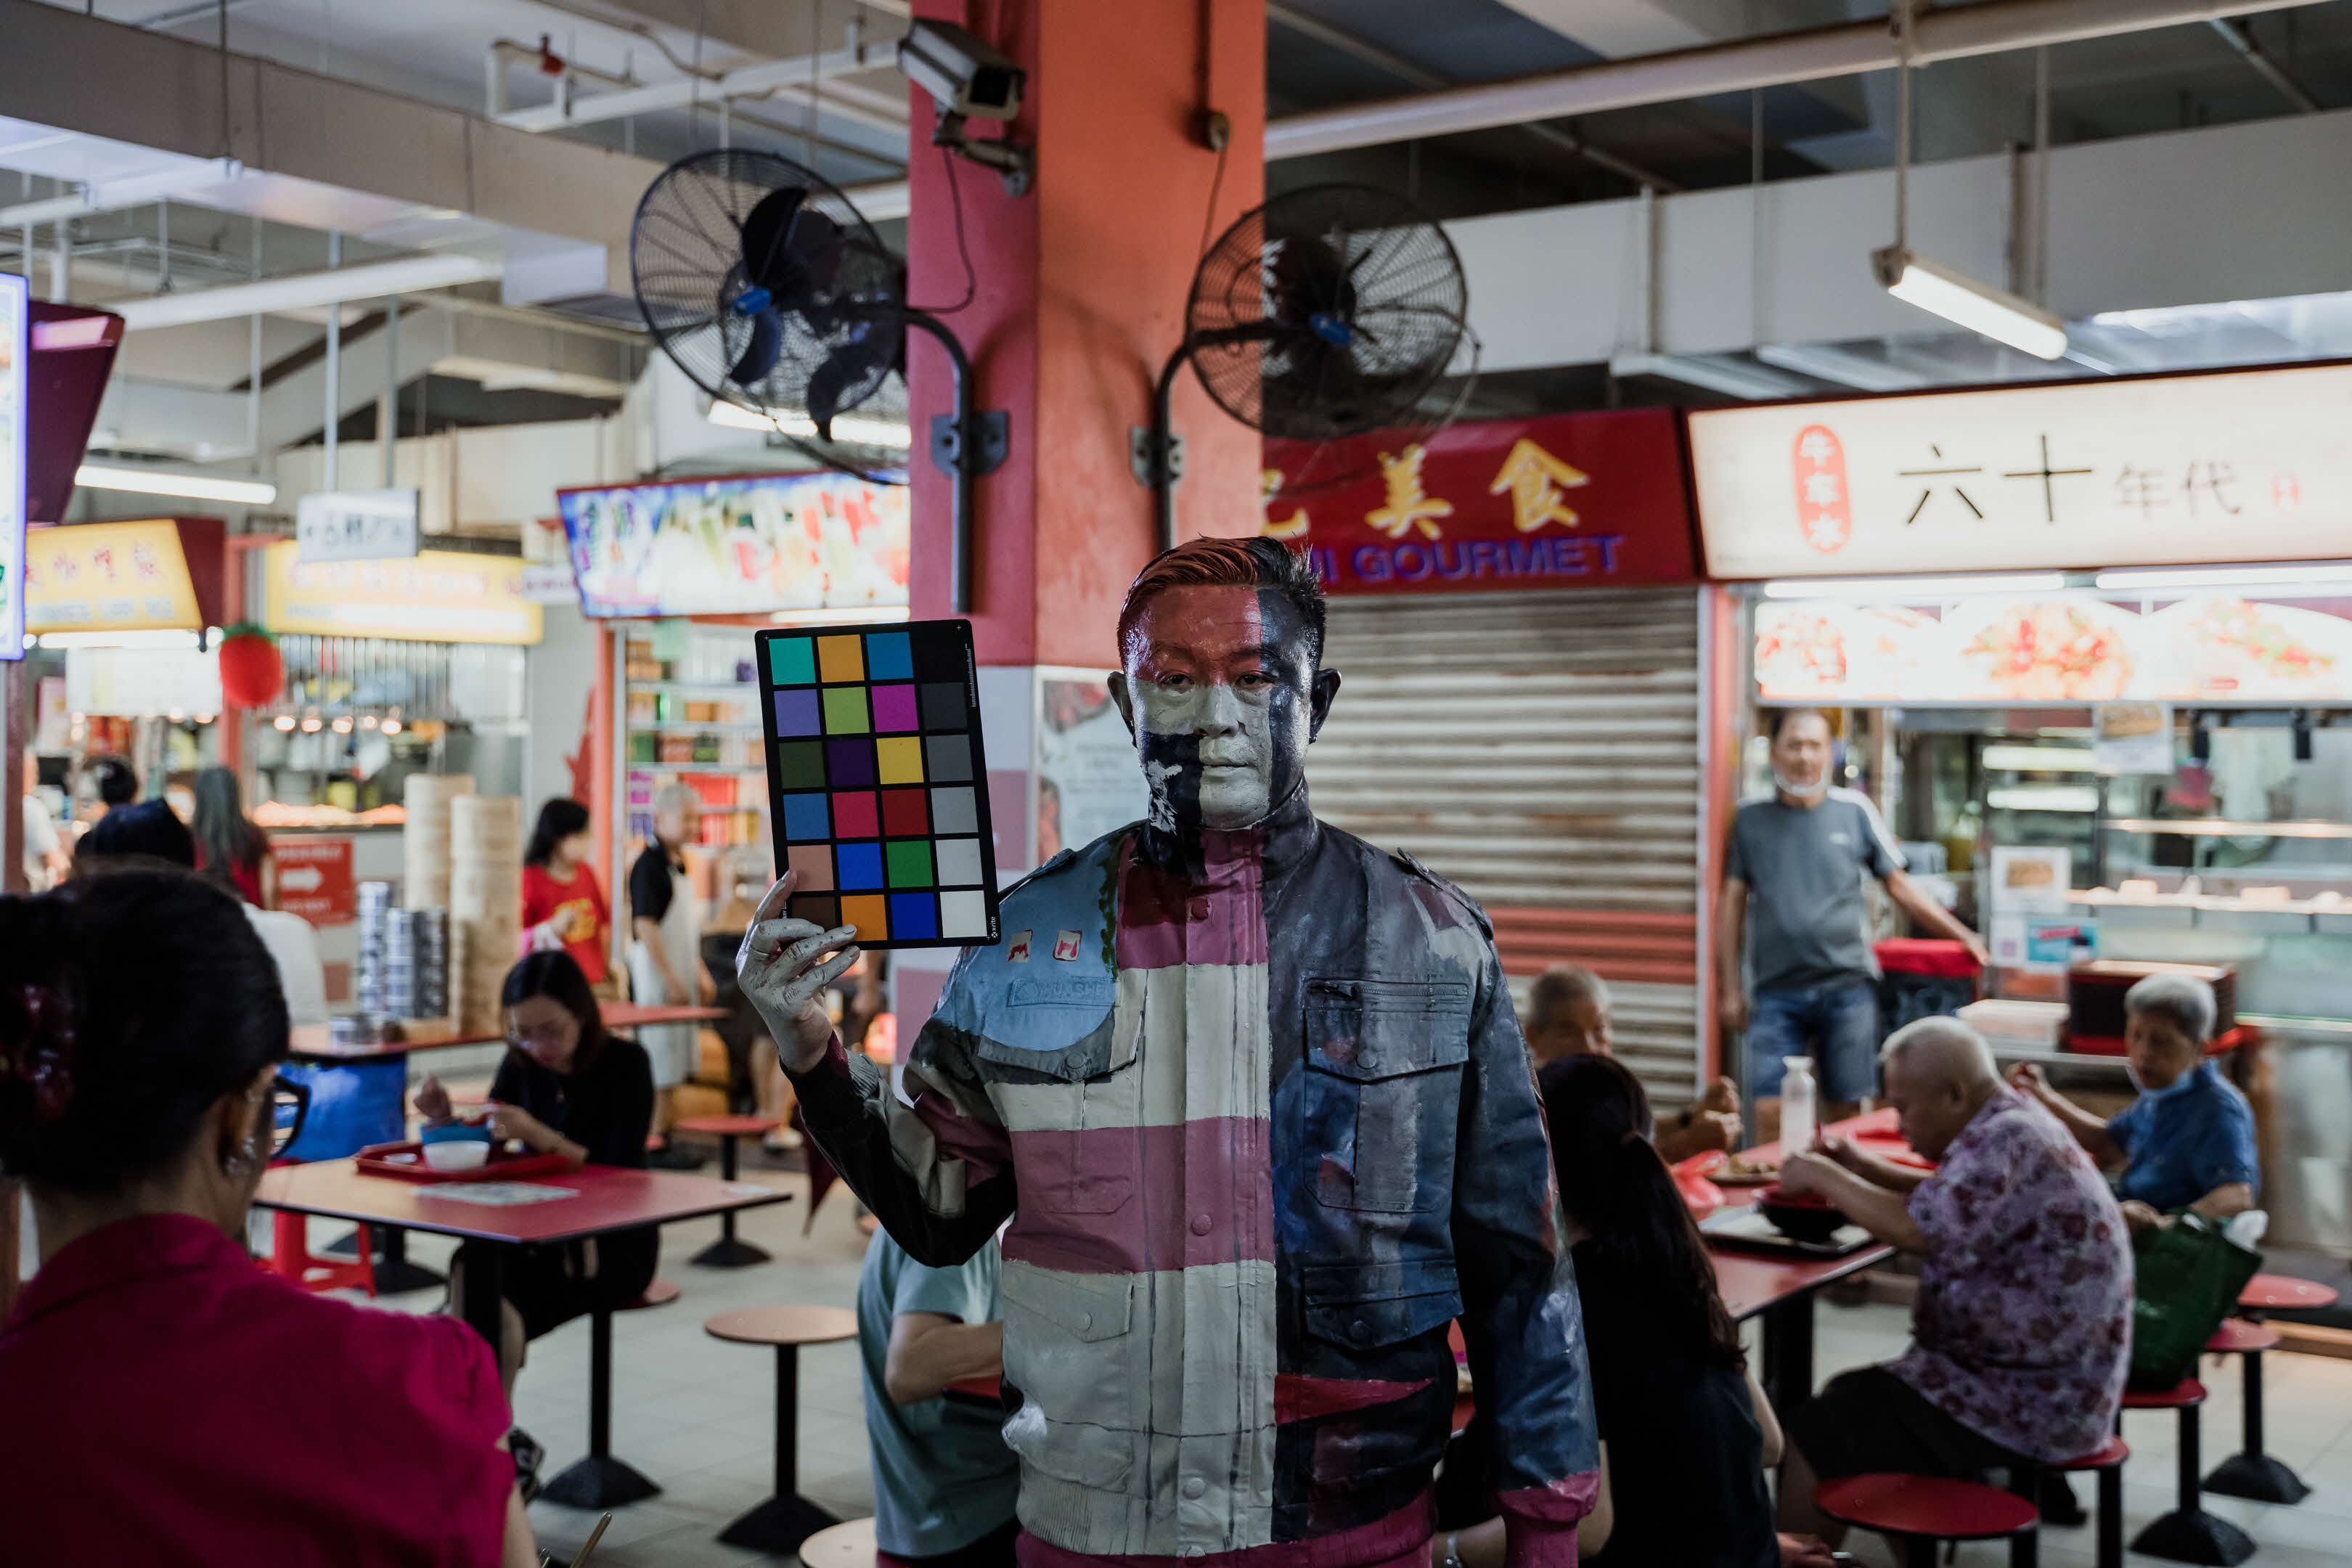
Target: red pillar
[(1080, 299)]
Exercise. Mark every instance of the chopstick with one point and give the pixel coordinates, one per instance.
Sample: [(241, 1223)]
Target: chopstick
[(586, 1547)]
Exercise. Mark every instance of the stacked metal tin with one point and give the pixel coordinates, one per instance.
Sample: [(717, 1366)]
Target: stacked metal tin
[(404, 958)]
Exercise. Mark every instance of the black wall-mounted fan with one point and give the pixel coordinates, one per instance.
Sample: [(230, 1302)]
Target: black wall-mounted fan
[(1329, 312), (768, 288)]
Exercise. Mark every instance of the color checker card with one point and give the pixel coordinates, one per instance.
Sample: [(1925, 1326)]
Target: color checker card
[(877, 784)]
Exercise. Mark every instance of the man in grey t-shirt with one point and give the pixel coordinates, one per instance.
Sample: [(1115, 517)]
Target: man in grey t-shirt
[(1795, 864)]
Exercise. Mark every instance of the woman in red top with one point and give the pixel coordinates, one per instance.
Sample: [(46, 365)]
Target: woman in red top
[(562, 903), (162, 1399), (229, 849)]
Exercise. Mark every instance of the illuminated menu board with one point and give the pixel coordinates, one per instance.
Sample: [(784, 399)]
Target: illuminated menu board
[(15, 349)]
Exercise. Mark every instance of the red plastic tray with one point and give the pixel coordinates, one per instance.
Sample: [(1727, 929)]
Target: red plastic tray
[(377, 1160)]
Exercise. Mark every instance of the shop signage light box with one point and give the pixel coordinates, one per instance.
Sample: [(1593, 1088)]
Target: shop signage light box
[(2163, 471), (740, 545), (16, 350), (442, 595), (121, 576), (1570, 500)]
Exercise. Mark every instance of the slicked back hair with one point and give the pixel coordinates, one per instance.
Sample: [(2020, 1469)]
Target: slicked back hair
[(1228, 563)]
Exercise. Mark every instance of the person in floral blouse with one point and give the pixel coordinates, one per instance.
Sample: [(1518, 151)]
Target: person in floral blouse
[(2021, 1336)]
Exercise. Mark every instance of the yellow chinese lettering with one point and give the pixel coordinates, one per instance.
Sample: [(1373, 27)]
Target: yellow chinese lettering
[(1537, 479), (1269, 485), (1408, 507)]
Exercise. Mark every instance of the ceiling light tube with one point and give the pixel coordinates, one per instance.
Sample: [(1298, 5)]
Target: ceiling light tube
[(1909, 590), (303, 290), (168, 640), (1962, 301), (846, 426), (164, 482), (2286, 573)]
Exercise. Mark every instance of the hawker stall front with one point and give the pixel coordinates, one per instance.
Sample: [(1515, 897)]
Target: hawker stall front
[(2090, 647)]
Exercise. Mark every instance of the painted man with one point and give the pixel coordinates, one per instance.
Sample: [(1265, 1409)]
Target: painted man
[(1254, 1096)]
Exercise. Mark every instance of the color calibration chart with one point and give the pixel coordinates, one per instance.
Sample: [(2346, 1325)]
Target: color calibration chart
[(879, 784)]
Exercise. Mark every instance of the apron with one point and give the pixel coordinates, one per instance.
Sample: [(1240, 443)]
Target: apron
[(671, 1046)]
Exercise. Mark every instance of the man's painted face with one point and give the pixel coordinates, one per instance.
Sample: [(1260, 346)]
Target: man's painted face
[(1222, 696)]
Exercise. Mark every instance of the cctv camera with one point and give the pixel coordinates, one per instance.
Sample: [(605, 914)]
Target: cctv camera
[(963, 75)]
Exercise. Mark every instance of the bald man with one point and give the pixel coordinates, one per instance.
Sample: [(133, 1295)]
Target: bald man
[(2020, 1334)]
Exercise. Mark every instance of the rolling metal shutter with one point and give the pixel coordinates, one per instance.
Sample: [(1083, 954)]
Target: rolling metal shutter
[(1544, 752)]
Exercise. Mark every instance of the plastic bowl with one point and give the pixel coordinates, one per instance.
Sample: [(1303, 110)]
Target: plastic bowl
[(1807, 1217), (464, 1157), (457, 1132)]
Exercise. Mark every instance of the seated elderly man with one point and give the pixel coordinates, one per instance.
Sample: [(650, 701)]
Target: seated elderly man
[(1569, 1013), (2020, 1335), (2188, 1141)]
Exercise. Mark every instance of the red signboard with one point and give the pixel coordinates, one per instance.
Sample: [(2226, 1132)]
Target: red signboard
[(314, 879), (1563, 501)]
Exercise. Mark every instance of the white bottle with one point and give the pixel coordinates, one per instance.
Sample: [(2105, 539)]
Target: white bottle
[(1799, 1097)]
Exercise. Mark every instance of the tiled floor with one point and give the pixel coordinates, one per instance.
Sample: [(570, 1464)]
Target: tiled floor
[(697, 1416)]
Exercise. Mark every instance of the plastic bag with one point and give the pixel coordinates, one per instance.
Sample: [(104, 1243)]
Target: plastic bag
[(2188, 1276), (352, 1105)]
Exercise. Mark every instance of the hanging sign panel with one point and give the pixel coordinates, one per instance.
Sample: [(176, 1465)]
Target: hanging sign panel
[(1570, 500), (2169, 470), (356, 525), (110, 577), (443, 595)]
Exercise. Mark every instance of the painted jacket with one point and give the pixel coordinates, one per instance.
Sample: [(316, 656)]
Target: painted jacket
[(1266, 1128)]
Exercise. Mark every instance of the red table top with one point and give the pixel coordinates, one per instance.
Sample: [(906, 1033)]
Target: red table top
[(1750, 1281), (318, 1040), (608, 1198), (729, 1126)]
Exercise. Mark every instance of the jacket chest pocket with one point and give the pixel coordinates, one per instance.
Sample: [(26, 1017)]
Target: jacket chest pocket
[(1073, 1111), (1384, 1062)]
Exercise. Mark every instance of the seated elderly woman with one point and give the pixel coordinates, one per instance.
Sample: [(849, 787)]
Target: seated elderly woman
[(162, 1399), (2188, 1141), (2022, 1329)]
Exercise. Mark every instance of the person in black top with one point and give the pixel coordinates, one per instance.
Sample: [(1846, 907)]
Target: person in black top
[(1686, 1431), (565, 1088)]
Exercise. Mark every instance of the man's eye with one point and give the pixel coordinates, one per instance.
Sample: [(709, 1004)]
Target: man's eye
[(1175, 682), (1256, 680)]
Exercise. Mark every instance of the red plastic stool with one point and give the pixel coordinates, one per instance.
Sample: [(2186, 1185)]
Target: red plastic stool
[(290, 1254), (2107, 1461), (2188, 1535), (1922, 1511), (2283, 1293), (2252, 1473), (728, 1252)]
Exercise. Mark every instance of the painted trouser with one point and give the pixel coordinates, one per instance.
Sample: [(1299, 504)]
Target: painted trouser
[(1837, 1025)]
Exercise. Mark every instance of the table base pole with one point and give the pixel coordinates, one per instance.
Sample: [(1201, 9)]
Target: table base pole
[(2194, 1536), (778, 1525), (2257, 1477), (599, 1483), (729, 1252)]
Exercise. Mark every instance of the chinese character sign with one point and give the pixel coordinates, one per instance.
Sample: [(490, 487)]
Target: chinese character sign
[(16, 347), (439, 597), (2248, 465), (1570, 500), (109, 576)]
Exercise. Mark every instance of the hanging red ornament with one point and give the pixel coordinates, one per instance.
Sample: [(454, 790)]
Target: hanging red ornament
[(252, 673)]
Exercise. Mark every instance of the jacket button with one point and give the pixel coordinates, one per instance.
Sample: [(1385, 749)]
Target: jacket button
[(1085, 1322), (1200, 1223), (1195, 1487), (1360, 1331), (1198, 907)]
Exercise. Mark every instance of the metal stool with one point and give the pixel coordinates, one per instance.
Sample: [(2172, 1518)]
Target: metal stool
[(2107, 1461), (786, 1520), (728, 1252), (2188, 1535)]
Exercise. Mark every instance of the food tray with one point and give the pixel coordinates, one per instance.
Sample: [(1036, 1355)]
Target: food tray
[(1748, 1229), (405, 1162)]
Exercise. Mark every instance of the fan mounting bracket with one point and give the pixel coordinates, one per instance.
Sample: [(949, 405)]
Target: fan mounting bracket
[(991, 440), (1143, 455)]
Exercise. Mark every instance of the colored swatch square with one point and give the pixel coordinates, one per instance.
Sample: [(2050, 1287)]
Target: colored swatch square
[(792, 661), (800, 764), (814, 863), (954, 810), (869, 914), (944, 707), (859, 865), (903, 815), (910, 862), (888, 657), (850, 764), (913, 917), (804, 817), (838, 658), (964, 915), (894, 707), (817, 908), (940, 653), (854, 815), (845, 709), (901, 762), (949, 756), (796, 713), (959, 860)]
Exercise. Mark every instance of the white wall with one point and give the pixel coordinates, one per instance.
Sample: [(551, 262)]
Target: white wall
[(562, 671)]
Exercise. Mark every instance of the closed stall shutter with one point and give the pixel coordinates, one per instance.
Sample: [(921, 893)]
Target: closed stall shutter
[(1542, 751)]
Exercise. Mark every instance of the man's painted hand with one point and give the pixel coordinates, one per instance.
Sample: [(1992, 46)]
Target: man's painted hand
[(783, 968)]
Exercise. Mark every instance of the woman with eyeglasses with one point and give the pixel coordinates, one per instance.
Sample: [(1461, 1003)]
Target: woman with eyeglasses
[(566, 1088), (162, 1399)]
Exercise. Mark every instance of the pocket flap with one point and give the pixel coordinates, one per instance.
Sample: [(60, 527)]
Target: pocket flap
[(1361, 1305), (1370, 1029), (1087, 1313), (1090, 1457), (1070, 1033)]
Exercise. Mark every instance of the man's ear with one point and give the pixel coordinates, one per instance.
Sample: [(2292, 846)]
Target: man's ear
[(1124, 698), (1319, 698)]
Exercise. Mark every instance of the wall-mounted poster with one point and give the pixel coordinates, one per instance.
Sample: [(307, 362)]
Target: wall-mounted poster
[(1088, 782), (739, 545)]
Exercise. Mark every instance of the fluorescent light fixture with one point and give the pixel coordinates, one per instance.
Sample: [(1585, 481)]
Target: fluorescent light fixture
[(1962, 301), (2290, 573), (171, 640), (164, 482), (2041, 760), (1750, 382), (846, 426), (877, 614), (1908, 590), (2081, 801), (298, 290)]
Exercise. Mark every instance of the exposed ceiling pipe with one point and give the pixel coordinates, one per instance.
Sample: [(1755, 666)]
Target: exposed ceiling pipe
[(1308, 25), (2269, 69), (405, 275), (1850, 48), (115, 195)]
